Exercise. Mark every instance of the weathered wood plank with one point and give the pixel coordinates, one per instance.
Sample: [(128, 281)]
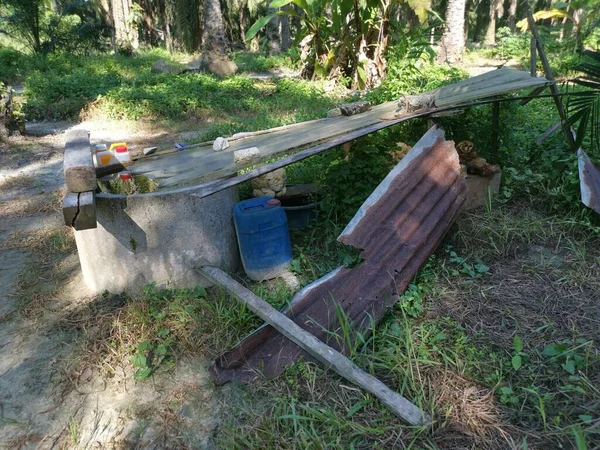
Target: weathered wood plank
[(493, 78), (549, 132), (490, 91), (331, 358), (202, 163), (79, 210), (80, 175), (70, 208), (86, 218), (210, 187)]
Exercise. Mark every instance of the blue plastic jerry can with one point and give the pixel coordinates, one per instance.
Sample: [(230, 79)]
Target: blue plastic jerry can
[(263, 237)]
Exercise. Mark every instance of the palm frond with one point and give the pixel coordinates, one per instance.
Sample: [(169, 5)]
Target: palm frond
[(584, 108)]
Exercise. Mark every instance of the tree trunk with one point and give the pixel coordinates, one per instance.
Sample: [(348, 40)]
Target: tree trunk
[(512, 15), (242, 20), (284, 23), (273, 34), (577, 20), (490, 35), (453, 40), (216, 52), (125, 33)]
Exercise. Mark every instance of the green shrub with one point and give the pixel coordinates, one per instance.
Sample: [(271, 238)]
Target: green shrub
[(12, 63), (405, 80), (249, 62)]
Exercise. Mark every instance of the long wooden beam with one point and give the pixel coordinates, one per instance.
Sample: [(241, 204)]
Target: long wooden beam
[(331, 358)]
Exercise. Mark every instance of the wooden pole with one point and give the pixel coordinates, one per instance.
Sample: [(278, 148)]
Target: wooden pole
[(495, 130), (549, 76), (532, 60), (400, 406)]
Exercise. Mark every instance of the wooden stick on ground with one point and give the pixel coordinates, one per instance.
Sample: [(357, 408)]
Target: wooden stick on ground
[(400, 406)]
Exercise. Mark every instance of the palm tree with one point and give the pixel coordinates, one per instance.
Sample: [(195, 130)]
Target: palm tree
[(512, 15), (216, 52), (495, 11), (453, 40)]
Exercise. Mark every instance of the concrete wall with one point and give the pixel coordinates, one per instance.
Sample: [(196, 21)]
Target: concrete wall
[(144, 239)]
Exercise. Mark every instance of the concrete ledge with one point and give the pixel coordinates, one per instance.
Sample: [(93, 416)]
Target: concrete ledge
[(161, 239)]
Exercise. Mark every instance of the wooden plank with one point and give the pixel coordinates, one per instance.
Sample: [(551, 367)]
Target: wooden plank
[(497, 77), (548, 72), (210, 187), (80, 175), (79, 210), (86, 218), (109, 169), (470, 82), (329, 357), (546, 134), (491, 91), (70, 208), (204, 161)]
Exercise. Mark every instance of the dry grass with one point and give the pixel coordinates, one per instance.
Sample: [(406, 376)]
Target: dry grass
[(544, 275), (41, 282), (468, 413), (16, 182), (26, 206)]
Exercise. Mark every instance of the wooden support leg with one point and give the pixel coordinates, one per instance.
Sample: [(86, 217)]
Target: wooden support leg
[(495, 131), (532, 55)]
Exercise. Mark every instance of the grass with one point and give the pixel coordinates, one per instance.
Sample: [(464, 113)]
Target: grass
[(117, 87)]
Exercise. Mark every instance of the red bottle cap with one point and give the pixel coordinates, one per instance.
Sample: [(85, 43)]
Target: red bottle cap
[(125, 176), (121, 149), (274, 202)]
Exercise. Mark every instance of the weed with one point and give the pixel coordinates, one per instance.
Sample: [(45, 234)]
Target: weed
[(73, 431)]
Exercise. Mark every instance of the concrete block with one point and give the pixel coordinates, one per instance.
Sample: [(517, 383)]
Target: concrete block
[(161, 239)]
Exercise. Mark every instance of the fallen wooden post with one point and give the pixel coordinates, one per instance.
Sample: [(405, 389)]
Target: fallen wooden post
[(400, 406), (546, 134), (80, 175)]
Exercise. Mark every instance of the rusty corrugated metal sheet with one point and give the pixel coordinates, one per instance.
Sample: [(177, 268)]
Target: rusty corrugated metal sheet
[(589, 181), (398, 227)]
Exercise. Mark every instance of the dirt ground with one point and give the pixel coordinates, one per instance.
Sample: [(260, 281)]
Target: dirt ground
[(41, 291)]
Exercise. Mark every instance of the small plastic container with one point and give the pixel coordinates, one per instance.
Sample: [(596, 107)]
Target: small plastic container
[(105, 157), (263, 237), (122, 155)]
